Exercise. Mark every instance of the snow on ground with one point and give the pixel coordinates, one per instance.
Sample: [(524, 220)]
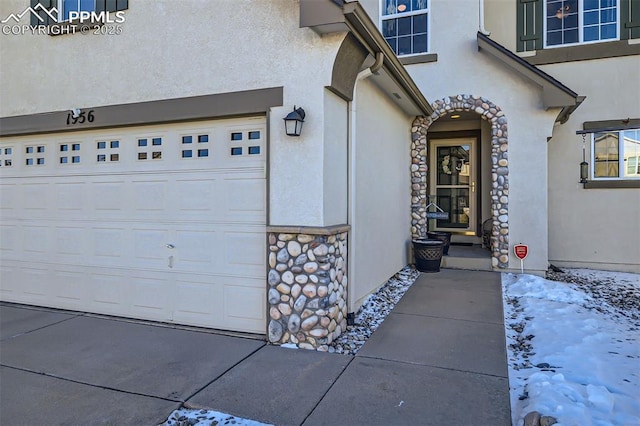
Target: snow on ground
[(189, 417), (574, 347)]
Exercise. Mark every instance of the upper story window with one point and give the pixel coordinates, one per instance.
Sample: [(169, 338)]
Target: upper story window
[(405, 25), (580, 21), (65, 7), (616, 154), (543, 24)]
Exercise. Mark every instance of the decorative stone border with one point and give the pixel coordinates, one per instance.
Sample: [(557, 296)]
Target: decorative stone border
[(307, 295), (499, 169)]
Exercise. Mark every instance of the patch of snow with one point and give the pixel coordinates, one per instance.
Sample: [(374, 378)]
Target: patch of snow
[(289, 346), (188, 416), (574, 347)]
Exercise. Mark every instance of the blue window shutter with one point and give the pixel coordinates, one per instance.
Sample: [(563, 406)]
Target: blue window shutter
[(111, 5), (529, 25), (122, 5), (629, 19)]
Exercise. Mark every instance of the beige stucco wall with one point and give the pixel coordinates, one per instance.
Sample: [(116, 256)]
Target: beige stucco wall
[(462, 69), (336, 131), (593, 228), (172, 49), (500, 21), (381, 223)]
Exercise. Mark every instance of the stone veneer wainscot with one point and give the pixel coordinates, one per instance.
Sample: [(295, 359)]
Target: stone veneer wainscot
[(307, 279), (499, 169)]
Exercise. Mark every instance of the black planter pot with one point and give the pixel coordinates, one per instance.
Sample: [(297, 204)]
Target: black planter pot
[(445, 237), (428, 255)]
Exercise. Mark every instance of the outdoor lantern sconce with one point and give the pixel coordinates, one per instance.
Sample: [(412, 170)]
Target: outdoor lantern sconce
[(584, 166), (584, 172), (293, 122)]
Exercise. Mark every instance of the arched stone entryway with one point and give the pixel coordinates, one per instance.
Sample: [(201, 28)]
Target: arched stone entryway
[(499, 169)]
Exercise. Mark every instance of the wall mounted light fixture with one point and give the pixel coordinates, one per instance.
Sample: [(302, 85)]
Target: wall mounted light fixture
[(584, 166), (293, 122)]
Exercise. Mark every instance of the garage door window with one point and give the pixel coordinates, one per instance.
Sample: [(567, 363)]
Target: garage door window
[(6, 159), (150, 149), (70, 153), (34, 155), (189, 151), (108, 151), (246, 143)]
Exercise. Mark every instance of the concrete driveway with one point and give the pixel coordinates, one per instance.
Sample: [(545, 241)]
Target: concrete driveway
[(439, 358)]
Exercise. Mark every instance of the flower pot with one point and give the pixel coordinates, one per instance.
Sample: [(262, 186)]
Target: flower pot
[(445, 237), (428, 255)]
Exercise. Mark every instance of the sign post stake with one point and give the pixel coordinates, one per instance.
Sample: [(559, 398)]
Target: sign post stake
[(521, 251)]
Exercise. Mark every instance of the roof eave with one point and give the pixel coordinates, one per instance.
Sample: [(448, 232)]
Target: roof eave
[(554, 93), (327, 16)]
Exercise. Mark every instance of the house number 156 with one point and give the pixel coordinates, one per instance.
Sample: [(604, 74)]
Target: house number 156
[(79, 118)]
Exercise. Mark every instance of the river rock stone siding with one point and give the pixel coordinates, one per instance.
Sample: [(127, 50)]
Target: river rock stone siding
[(499, 169), (307, 288)]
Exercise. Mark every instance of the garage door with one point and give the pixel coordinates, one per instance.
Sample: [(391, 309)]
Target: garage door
[(162, 222)]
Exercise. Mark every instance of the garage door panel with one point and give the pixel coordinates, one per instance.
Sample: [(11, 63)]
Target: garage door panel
[(70, 196), (35, 283), (96, 234), (197, 250), (245, 198), (35, 240), (196, 198), (245, 252), (245, 307), (8, 241), (70, 242), (35, 196), (196, 301), (150, 196), (150, 247), (109, 245), (7, 277), (108, 292), (108, 196), (71, 285), (150, 295), (8, 198)]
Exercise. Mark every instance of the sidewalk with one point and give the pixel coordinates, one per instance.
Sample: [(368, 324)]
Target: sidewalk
[(439, 358)]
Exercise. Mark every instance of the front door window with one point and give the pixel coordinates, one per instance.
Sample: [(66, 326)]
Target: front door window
[(453, 184)]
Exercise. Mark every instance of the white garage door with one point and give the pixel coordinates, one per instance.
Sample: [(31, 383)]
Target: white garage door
[(157, 222)]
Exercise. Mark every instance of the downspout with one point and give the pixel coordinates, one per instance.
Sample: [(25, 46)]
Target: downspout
[(366, 73), (482, 29)]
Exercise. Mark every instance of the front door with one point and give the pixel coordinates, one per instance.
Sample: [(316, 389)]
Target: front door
[(453, 184)]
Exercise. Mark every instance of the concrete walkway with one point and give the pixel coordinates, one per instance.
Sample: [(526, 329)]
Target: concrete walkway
[(438, 359)]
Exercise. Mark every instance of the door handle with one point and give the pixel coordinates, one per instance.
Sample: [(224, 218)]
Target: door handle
[(473, 187), (170, 246)]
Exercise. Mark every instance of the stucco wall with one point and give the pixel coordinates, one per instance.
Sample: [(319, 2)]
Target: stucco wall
[(500, 21), (594, 228), (173, 49), (381, 227), (336, 128)]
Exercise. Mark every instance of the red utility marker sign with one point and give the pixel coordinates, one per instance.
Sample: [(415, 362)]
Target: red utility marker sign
[(521, 251)]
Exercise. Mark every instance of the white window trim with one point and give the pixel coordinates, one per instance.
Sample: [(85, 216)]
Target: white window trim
[(580, 28), (621, 163), (427, 11)]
